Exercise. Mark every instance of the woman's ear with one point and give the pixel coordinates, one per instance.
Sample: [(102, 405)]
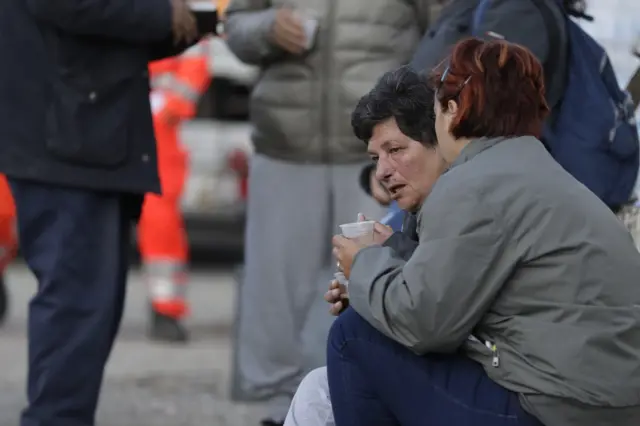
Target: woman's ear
[(452, 107)]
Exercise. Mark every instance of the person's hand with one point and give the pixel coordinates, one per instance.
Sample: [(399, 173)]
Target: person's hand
[(338, 298), (288, 33), (344, 250), (381, 233), (184, 27)]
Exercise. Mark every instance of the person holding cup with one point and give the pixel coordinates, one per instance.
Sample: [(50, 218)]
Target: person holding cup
[(316, 59), (79, 154), (390, 119)]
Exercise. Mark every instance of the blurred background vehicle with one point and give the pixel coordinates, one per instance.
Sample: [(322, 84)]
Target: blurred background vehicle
[(220, 147)]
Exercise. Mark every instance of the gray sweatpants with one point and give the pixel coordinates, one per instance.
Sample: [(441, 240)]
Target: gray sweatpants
[(283, 321)]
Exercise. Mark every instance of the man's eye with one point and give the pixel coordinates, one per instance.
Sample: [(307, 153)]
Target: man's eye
[(374, 159), (395, 149)]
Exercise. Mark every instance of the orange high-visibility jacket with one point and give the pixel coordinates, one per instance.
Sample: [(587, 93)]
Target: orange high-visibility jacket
[(8, 236), (181, 81)]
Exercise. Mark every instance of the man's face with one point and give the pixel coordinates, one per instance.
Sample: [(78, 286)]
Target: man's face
[(407, 168)]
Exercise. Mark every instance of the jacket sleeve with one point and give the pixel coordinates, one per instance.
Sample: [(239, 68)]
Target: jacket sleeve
[(136, 21), (518, 22), (432, 302), (248, 24), (167, 48)]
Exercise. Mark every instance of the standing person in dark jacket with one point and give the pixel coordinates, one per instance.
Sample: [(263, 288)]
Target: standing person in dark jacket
[(79, 152), (539, 25)]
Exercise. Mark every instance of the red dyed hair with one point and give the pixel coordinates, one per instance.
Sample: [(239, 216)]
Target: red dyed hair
[(499, 88)]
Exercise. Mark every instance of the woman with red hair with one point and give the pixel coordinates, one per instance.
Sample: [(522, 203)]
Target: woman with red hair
[(520, 306)]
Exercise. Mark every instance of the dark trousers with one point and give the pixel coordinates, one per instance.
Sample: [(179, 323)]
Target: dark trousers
[(76, 242), (375, 381)]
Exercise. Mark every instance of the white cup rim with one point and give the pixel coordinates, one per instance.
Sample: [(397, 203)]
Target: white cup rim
[(355, 229)]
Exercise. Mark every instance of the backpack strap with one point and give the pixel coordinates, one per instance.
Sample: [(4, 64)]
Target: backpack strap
[(633, 87), (557, 51)]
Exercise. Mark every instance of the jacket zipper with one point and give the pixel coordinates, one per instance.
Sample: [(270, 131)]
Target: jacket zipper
[(327, 74), (495, 360), (495, 356)]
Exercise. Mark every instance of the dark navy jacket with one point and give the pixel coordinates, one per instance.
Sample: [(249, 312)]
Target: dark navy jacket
[(518, 21), (74, 91)]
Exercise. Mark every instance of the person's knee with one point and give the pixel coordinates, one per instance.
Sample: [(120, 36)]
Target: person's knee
[(349, 326), (312, 404), (316, 380)]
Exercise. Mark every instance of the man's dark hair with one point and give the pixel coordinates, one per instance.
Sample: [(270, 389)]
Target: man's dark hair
[(402, 94)]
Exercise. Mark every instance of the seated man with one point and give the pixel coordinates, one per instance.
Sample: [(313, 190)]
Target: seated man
[(393, 114)]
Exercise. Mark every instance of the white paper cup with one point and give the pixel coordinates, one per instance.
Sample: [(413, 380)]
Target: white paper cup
[(361, 231), (310, 25)]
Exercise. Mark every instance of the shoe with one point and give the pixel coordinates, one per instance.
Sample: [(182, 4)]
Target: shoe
[(167, 329), (4, 301), (269, 422)]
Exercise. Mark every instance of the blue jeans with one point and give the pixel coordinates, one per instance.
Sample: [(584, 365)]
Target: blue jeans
[(375, 381)]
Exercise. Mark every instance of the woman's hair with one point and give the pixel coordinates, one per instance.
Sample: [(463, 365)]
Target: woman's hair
[(402, 94), (499, 88)]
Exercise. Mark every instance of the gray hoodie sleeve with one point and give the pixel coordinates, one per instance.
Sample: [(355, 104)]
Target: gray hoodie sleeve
[(248, 26), (431, 302)]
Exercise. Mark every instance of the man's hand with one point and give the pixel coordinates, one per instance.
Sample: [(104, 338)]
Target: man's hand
[(338, 298), (288, 33), (184, 25)]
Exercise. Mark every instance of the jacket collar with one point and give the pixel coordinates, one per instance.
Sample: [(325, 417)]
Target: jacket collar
[(410, 226), (473, 148)]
